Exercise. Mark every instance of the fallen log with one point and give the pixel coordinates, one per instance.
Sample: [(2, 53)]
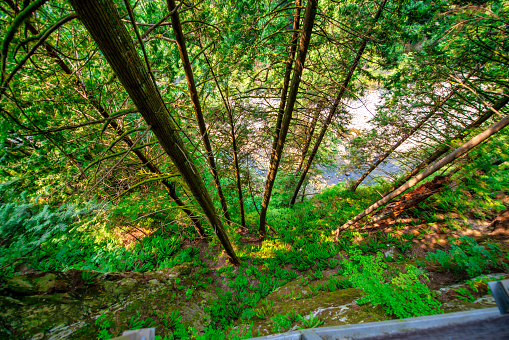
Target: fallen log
[(411, 199), (463, 149)]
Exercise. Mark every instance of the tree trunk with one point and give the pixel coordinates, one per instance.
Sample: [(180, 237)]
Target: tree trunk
[(303, 192), (466, 147), (184, 57), (409, 134), (411, 199), (249, 185), (444, 149), (309, 137), (305, 38), (286, 80), (237, 171), (80, 88), (102, 20), (334, 107)]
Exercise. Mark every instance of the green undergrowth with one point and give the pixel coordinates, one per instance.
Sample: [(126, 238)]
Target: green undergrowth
[(49, 237), (466, 255)]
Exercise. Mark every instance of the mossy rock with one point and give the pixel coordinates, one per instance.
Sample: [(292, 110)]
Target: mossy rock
[(160, 299), (46, 283), (42, 309), (333, 308), (183, 269), (122, 287), (38, 308), (19, 285), (459, 305)]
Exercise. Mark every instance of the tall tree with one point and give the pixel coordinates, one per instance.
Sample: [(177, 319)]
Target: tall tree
[(286, 79), (103, 22), (235, 151), (193, 92), (305, 38), (335, 104)]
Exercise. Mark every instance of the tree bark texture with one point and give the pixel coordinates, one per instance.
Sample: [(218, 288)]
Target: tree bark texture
[(310, 131), (102, 20), (193, 92), (466, 147), (286, 80), (411, 199), (307, 28), (335, 105), (237, 170)]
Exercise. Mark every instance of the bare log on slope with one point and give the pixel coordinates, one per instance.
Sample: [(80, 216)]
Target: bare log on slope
[(466, 147), (445, 148), (409, 133), (102, 20), (500, 225), (411, 199)]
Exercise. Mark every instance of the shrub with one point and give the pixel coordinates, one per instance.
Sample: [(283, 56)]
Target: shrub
[(403, 296), (467, 255)]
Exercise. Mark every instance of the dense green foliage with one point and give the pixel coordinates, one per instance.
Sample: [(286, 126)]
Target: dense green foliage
[(405, 297)]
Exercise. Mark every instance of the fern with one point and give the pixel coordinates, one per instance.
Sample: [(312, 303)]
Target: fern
[(28, 228)]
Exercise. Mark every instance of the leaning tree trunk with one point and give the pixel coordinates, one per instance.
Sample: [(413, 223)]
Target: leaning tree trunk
[(102, 20), (80, 88), (409, 134), (444, 149), (305, 38), (411, 199), (237, 170), (430, 170), (193, 92), (335, 105)]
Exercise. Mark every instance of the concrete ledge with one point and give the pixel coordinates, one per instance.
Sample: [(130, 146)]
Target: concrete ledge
[(386, 327)]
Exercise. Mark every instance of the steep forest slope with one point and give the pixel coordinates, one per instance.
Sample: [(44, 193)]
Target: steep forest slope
[(167, 164)]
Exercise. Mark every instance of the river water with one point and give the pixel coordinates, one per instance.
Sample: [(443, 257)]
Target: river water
[(362, 111)]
